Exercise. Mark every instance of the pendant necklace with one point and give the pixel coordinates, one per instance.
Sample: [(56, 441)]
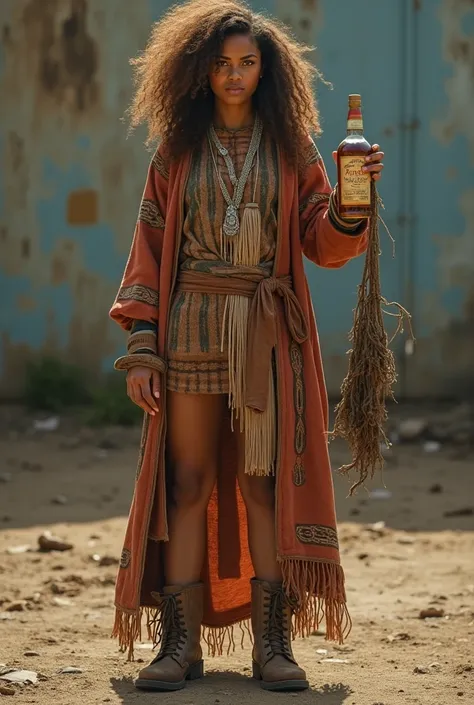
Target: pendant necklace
[(231, 225)]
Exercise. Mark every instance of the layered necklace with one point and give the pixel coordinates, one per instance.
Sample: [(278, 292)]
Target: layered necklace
[(231, 225)]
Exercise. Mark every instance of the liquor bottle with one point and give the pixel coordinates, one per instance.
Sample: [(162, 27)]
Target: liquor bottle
[(353, 183)]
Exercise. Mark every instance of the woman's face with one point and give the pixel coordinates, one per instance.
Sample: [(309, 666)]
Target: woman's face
[(234, 74)]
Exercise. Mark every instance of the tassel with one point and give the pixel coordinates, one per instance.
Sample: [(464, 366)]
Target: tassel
[(259, 428), (260, 437), (247, 245)]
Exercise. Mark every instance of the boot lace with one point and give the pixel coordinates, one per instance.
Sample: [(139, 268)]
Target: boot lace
[(277, 633), (172, 632)]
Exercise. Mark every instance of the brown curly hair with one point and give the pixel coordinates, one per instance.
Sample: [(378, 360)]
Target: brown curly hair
[(172, 88)]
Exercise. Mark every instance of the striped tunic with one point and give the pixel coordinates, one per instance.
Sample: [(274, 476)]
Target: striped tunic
[(197, 353)]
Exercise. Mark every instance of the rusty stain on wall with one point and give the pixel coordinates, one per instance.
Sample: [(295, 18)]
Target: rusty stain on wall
[(82, 207), (67, 56)]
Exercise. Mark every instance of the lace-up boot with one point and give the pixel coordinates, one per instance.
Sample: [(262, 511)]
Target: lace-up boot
[(180, 655), (273, 662)]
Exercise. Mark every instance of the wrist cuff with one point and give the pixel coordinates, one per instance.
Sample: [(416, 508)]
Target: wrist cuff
[(142, 341), (140, 359)]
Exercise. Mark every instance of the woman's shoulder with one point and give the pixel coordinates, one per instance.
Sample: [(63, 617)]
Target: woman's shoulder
[(161, 161), (310, 153)]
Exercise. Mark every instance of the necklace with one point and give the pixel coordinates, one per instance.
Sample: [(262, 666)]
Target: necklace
[(231, 225)]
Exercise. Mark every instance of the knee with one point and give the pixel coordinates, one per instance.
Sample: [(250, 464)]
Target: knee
[(257, 492), (191, 487)]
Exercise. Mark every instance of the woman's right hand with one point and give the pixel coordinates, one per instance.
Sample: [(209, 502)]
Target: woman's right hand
[(143, 388)]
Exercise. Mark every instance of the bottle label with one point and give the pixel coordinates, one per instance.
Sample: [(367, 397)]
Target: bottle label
[(354, 189), (355, 124), (354, 120)]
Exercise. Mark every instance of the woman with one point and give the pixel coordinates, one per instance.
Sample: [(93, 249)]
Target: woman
[(233, 514)]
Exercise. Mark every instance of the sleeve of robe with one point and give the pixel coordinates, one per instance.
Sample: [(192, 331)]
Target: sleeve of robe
[(137, 301), (326, 239)]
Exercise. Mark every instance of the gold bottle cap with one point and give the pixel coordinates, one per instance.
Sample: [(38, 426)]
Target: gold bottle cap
[(355, 101)]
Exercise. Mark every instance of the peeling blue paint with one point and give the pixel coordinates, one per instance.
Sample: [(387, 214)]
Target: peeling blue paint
[(52, 311), (96, 243)]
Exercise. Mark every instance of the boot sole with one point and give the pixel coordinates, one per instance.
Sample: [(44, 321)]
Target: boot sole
[(194, 673), (278, 686), (284, 686)]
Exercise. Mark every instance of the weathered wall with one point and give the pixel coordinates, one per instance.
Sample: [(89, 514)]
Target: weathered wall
[(70, 180), (442, 259)]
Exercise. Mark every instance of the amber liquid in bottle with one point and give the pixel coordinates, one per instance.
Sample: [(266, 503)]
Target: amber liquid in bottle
[(353, 183)]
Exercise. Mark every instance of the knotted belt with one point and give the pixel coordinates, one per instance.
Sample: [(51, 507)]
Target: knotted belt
[(262, 321)]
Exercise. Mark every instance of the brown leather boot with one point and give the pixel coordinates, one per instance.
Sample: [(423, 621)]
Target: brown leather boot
[(180, 656), (273, 662)]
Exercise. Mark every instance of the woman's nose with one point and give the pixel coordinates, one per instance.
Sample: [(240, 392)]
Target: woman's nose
[(234, 74)]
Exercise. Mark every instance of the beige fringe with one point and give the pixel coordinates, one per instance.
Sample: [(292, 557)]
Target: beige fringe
[(259, 427), (316, 590), (128, 629), (217, 638)]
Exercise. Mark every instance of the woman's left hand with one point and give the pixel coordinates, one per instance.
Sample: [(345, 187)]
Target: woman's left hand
[(373, 162)]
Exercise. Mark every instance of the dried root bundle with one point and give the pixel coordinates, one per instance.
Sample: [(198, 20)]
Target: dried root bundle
[(361, 413)]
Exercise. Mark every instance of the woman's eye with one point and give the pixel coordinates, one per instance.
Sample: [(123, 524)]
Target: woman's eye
[(220, 63), (249, 62)]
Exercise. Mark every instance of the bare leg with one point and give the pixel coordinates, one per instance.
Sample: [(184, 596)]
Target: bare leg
[(259, 497), (193, 431)]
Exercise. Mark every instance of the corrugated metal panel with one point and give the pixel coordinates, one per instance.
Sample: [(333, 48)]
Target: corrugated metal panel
[(70, 181)]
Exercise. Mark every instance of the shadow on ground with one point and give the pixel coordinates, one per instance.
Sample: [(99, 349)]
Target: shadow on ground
[(230, 688)]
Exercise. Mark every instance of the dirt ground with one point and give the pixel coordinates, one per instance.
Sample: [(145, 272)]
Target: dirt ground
[(57, 607)]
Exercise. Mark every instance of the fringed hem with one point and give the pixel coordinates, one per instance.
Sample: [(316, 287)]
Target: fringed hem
[(317, 594), (127, 630), (218, 638)]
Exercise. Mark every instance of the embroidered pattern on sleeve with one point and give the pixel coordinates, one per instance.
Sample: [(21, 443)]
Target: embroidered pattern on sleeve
[(161, 166), (139, 292), (315, 198), (150, 214), (312, 154)]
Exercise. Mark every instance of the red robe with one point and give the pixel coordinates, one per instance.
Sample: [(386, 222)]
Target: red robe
[(305, 514)]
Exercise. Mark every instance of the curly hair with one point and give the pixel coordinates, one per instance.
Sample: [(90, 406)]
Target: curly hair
[(172, 87)]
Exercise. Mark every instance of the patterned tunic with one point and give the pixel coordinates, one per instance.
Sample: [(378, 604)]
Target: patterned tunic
[(197, 354)]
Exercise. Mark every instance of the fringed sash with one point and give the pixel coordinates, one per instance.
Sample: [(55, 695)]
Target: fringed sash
[(251, 318)]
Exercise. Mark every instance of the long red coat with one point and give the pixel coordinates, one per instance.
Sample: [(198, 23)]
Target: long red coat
[(305, 515)]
